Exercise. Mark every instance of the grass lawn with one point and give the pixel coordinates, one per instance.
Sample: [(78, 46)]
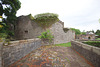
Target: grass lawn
[(98, 39), (64, 44)]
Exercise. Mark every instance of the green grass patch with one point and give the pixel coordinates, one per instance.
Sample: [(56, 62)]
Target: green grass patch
[(64, 44), (98, 39), (93, 43)]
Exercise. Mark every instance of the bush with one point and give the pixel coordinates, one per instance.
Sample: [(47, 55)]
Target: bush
[(45, 20), (93, 43), (3, 35), (46, 36)]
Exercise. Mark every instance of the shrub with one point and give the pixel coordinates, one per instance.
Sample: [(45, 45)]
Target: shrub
[(93, 43), (45, 20), (3, 35), (46, 36)]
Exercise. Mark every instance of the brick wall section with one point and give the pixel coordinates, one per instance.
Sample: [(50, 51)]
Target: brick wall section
[(18, 49), (1, 43), (91, 53)]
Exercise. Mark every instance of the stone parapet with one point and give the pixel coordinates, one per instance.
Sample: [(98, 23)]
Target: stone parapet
[(1, 43), (91, 53), (18, 49)]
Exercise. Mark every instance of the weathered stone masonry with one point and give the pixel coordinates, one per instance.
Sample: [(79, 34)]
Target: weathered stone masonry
[(91, 53), (1, 44), (27, 29), (18, 49)]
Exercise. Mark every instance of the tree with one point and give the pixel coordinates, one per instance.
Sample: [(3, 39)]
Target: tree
[(97, 32), (77, 31), (8, 9), (83, 32)]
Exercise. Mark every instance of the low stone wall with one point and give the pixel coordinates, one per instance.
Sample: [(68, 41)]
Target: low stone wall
[(1, 43), (18, 49), (85, 40), (91, 53)]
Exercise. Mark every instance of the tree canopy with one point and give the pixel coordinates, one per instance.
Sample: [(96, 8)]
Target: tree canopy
[(8, 9), (77, 31), (97, 32)]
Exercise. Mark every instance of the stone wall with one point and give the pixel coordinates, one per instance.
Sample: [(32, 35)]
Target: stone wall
[(91, 53), (59, 35), (1, 43), (85, 40), (27, 28), (18, 49)]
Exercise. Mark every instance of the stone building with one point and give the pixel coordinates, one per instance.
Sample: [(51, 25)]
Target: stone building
[(27, 29), (87, 36)]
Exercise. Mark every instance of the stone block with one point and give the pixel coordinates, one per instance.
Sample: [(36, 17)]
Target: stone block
[(23, 41), (13, 43), (96, 50), (5, 55), (37, 39), (30, 40), (88, 47)]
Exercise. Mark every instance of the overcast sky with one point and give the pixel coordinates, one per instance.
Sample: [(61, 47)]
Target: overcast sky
[(79, 14)]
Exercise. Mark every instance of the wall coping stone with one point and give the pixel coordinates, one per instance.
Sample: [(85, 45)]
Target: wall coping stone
[(30, 40), (86, 46), (15, 43), (96, 50), (78, 43)]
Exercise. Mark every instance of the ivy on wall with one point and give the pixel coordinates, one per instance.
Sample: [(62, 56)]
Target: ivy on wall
[(31, 17), (45, 20)]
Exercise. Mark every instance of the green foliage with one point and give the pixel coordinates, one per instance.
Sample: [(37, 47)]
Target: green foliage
[(31, 17), (77, 31), (64, 44), (98, 39), (83, 33), (97, 32), (93, 43), (8, 8), (45, 20), (46, 36), (3, 35)]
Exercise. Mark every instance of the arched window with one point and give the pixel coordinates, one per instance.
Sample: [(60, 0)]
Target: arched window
[(89, 38)]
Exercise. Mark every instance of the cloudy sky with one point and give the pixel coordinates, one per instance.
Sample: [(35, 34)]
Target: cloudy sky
[(79, 14)]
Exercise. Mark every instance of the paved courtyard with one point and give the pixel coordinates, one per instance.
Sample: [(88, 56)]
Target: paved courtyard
[(52, 56)]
